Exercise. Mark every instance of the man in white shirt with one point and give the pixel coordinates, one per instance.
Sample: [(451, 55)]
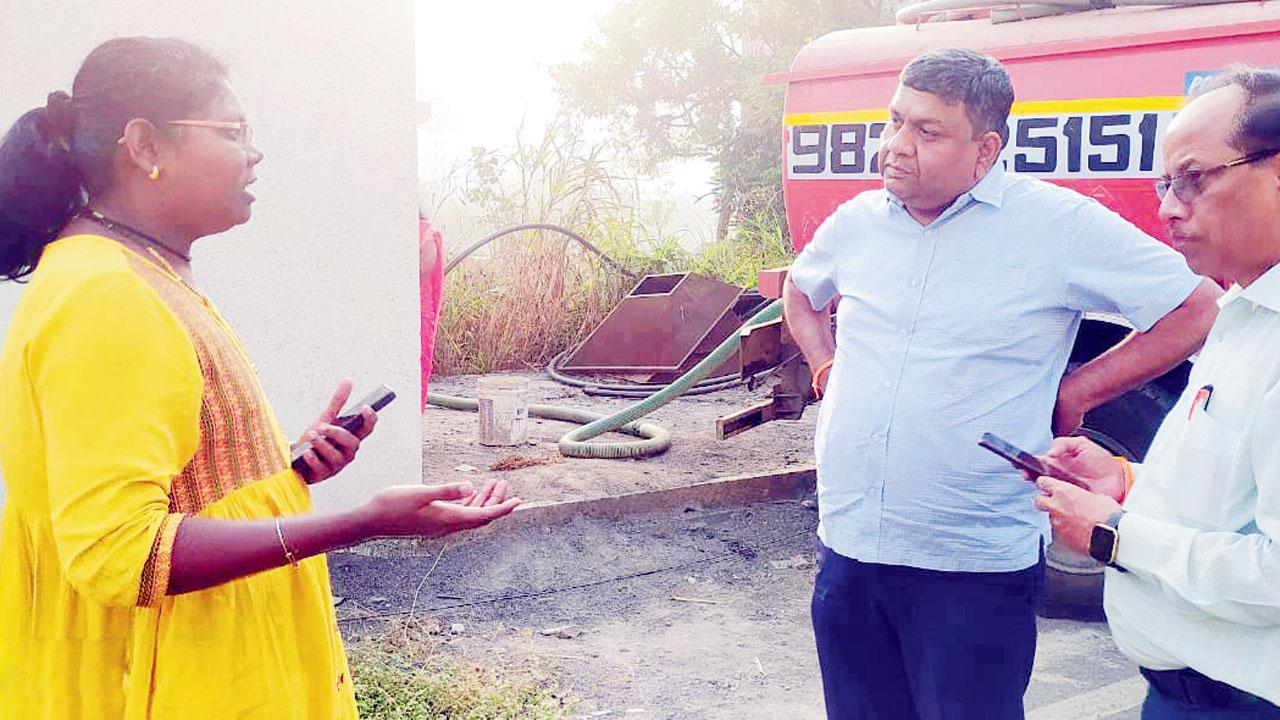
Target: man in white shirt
[(1194, 593)]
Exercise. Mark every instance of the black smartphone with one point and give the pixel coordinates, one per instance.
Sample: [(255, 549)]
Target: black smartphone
[(349, 419), (1024, 460)]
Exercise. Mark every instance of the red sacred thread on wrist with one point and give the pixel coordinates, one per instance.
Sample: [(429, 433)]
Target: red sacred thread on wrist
[(1128, 476), (818, 378)]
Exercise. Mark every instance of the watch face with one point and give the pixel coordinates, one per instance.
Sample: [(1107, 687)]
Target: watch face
[(1101, 543)]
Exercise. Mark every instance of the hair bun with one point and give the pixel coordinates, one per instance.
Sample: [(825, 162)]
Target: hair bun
[(60, 115)]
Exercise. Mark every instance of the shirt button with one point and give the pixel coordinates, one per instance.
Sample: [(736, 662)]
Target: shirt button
[(915, 283), (887, 384)]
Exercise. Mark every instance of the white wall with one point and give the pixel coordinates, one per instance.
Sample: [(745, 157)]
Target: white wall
[(322, 282)]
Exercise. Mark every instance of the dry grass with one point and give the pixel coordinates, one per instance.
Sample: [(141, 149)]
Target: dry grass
[(527, 297), (519, 462), (518, 309)]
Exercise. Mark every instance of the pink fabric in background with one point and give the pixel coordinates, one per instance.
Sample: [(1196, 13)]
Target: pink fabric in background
[(431, 279)]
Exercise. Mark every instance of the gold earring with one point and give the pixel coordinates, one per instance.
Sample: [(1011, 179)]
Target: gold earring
[(155, 172)]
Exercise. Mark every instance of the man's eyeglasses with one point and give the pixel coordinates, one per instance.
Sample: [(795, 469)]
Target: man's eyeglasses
[(1187, 186), (240, 132)]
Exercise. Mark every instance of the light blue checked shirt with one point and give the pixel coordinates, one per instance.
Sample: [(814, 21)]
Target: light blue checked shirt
[(951, 330)]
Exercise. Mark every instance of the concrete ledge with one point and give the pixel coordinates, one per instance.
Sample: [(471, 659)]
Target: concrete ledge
[(788, 484), (791, 483)]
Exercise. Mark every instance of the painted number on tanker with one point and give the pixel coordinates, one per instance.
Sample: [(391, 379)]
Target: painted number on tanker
[(1051, 146)]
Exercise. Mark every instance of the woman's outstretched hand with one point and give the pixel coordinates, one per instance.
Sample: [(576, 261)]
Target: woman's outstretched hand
[(435, 510), (209, 552)]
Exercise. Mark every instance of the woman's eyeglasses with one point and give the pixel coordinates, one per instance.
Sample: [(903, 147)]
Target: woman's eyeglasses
[(1187, 186), (240, 132)]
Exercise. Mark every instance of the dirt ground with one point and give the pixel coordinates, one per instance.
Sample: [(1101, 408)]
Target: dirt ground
[(450, 451), (680, 614)]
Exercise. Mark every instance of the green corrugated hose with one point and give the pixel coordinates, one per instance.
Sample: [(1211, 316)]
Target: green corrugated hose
[(656, 439)]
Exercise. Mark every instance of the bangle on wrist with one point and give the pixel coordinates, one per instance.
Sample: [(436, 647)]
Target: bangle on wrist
[(288, 552)]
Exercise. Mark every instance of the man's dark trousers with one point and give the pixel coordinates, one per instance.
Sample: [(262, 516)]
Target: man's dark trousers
[(1188, 695), (902, 643)]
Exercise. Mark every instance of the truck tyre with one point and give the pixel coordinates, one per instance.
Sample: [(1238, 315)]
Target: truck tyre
[(1126, 426)]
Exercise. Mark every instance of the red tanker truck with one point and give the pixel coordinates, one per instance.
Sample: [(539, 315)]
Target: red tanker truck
[(1095, 92)]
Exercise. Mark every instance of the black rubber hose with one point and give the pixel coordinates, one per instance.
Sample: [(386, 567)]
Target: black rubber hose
[(644, 393), (628, 390), (639, 389), (540, 226)]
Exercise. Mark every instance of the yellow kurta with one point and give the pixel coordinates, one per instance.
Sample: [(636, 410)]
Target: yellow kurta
[(126, 403)]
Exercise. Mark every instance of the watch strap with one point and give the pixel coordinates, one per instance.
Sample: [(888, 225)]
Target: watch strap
[(1113, 522)]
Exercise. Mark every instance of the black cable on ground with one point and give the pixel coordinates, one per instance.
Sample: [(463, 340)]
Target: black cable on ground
[(541, 226), (633, 390), (582, 586), (639, 389)]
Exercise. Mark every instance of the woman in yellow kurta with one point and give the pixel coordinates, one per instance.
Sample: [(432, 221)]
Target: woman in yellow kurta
[(159, 558)]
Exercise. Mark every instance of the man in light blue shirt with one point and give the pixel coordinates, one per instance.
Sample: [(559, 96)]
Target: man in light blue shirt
[(959, 290)]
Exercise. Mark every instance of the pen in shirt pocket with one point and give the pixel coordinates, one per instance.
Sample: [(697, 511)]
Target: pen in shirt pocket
[(1201, 400)]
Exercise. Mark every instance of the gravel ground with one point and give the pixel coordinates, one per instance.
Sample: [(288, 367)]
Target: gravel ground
[(450, 451), (669, 614)]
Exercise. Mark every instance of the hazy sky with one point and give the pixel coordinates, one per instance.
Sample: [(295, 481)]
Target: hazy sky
[(483, 66)]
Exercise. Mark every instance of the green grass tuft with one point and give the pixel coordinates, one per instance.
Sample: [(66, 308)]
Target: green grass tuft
[(391, 687)]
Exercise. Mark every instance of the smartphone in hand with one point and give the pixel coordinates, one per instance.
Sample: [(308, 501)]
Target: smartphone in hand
[(349, 419), (1025, 461)]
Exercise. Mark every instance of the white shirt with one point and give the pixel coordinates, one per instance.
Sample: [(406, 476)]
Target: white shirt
[(949, 330), (1201, 539)]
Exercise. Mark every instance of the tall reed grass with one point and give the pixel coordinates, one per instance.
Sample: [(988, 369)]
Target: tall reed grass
[(529, 296)]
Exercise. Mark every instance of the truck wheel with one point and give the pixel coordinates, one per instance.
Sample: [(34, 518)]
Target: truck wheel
[(1125, 426)]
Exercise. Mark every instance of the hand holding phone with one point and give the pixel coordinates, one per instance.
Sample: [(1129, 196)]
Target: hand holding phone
[(349, 419), (1027, 462)]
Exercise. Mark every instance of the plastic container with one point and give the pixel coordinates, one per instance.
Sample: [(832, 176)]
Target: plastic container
[(503, 410)]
